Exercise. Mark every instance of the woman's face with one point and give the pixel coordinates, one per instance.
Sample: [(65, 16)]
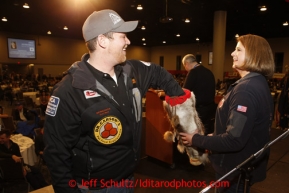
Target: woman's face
[(238, 56)]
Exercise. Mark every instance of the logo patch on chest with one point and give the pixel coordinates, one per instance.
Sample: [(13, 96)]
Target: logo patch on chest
[(108, 130), (90, 94)]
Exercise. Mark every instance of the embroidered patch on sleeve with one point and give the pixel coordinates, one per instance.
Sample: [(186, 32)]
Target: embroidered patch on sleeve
[(52, 106), (242, 108)]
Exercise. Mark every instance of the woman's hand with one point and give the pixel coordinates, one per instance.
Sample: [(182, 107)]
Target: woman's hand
[(187, 138)]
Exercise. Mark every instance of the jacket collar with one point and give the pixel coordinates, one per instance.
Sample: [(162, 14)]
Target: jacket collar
[(82, 76), (248, 76)]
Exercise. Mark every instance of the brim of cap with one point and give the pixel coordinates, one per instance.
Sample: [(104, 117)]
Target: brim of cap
[(126, 27)]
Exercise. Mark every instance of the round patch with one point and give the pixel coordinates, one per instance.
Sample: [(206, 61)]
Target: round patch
[(108, 130)]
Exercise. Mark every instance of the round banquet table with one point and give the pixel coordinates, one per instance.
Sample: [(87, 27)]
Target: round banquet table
[(27, 148)]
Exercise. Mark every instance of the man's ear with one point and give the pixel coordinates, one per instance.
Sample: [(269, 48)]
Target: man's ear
[(102, 41)]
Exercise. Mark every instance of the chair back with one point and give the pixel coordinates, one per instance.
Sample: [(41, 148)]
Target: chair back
[(19, 95), (28, 102), (9, 123), (38, 111), (37, 131)]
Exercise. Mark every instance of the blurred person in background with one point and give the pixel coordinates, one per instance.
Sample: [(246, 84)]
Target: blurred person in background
[(201, 82)]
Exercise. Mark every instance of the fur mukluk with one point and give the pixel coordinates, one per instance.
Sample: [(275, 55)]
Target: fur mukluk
[(183, 117)]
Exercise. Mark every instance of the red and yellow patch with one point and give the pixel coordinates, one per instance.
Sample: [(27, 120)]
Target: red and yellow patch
[(108, 130)]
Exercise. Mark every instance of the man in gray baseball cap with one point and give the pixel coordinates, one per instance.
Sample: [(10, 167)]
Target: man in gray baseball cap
[(100, 22), (93, 118)]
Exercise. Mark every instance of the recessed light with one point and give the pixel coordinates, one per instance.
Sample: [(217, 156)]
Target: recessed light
[(263, 8), (26, 6)]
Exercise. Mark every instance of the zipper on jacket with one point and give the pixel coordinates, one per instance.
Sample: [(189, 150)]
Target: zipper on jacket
[(91, 166)]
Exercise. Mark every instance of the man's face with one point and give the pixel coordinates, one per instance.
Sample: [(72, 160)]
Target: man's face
[(4, 139), (117, 47), (186, 66), (19, 107)]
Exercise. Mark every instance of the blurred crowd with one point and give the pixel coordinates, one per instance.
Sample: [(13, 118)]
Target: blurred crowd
[(12, 84)]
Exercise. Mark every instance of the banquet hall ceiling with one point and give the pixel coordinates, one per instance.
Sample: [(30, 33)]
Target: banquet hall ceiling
[(243, 16)]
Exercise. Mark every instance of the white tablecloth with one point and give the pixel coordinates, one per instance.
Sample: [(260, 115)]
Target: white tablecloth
[(50, 88), (3, 87), (27, 148), (15, 90), (37, 101)]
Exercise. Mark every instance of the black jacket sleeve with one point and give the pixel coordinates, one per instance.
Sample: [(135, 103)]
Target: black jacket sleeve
[(150, 75), (60, 136)]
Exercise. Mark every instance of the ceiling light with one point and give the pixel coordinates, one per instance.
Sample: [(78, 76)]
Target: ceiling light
[(143, 27), (143, 39), (139, 7), (237, 35), (164, 42), (178, 35), (263, 8), (4, 19), (187, 20), (284, 24), (144, 44), (197, 39), (26, 6), (166, 19), (65, 28), (49, 32)]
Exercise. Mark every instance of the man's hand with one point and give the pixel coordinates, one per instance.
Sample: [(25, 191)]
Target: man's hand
[(16, 158), (24, 171)]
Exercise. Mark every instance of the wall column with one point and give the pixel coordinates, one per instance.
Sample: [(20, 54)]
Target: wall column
[(219, 42)]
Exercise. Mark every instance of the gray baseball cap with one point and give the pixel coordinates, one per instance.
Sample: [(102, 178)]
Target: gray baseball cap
[(100, 22)]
